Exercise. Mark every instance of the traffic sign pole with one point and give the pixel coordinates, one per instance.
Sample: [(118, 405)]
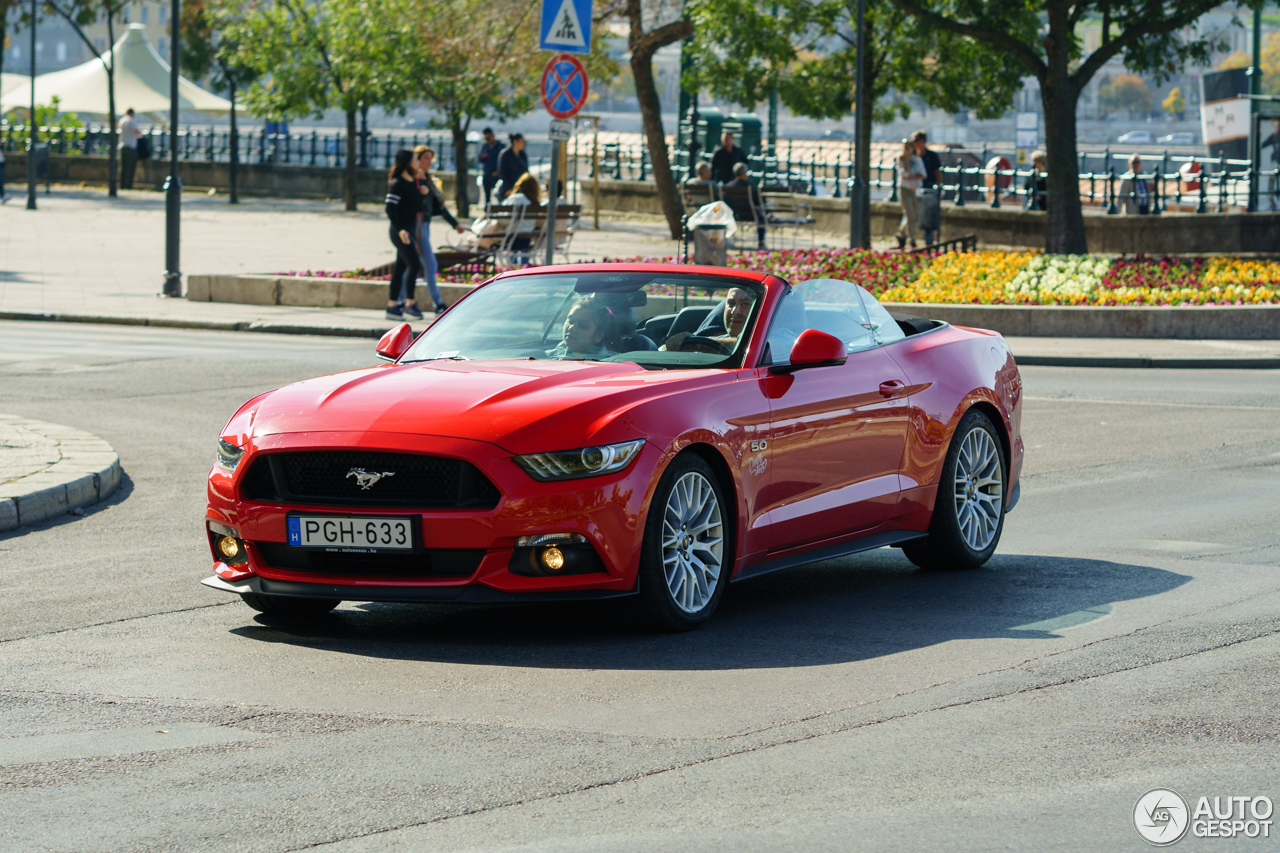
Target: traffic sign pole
[(551, 201)]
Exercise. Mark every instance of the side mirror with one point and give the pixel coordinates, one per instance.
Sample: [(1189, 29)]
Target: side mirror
[(395, 342), (813, 349)]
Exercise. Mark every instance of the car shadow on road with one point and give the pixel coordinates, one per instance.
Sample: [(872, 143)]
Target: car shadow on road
[(853, 608)]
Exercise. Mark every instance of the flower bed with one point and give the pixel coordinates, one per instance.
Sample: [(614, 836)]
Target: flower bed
[(1000, 278)]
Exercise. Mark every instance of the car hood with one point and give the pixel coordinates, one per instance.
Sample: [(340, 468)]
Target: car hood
[(523, 407)]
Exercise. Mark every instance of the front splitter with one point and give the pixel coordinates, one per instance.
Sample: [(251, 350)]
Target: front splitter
[(469, 594)]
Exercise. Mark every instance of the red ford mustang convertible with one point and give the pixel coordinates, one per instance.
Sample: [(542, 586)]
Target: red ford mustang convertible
[(596, 431)]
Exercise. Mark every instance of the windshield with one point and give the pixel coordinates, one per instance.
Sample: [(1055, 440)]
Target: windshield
[(656, 320)]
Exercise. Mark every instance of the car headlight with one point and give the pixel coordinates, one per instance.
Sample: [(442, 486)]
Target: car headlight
[(229, 455), (575, 464)]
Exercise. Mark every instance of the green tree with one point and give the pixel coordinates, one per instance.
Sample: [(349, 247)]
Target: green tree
[(1042, 35), (478, 59), (207, 51), (808, 51), (51, 115), (80, 14), (315, 55), (1127, 92), (1174, 104)]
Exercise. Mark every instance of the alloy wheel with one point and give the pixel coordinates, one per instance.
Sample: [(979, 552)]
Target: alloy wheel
[(692, 542), (979, 489)]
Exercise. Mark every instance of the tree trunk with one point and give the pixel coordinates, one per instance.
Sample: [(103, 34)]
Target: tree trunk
[(651, 116), (349, 180), (461, 176), (233, 166), (1065, 234), (113, 152)]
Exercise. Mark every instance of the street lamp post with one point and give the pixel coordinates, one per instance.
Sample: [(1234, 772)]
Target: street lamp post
[(32, 133), (859, 227), (173, 183)]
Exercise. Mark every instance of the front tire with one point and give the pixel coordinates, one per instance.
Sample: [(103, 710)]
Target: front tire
[(687, 551), (968, 513), (292, 608)]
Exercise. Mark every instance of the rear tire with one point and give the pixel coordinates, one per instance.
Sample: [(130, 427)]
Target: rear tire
[(968, 513), (294, 608), (687, 552)]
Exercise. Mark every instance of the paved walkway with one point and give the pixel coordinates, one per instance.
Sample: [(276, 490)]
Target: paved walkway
[(84, 256)]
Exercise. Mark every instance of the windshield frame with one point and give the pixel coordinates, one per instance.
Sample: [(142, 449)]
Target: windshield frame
[(700, 278)]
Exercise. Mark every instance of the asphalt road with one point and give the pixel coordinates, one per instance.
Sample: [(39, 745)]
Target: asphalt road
[(1124, 638)]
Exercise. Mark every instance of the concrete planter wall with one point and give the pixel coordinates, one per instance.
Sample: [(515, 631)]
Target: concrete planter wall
[(300, 291), (1225, 322), (1213, 323)]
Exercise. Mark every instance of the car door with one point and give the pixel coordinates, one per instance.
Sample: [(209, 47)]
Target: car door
[(836, 434)]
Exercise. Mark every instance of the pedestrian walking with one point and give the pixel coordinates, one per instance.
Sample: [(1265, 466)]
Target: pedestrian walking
[(490, 150), (432, 205), (932, 177), (725, 158), (512, 163), (129, 135), (404, 204), (1037, 185), (911, 174)]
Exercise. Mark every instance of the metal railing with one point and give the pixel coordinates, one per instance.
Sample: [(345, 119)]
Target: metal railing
[(1175, 181)]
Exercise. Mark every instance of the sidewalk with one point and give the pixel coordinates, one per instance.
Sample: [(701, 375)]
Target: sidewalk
[(83, 257)]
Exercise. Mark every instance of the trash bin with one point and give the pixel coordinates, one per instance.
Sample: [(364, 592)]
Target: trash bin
[(930, 209), (38, 159), (710, 245)]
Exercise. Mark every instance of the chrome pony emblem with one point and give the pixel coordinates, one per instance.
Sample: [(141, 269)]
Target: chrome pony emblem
[(366, 479)]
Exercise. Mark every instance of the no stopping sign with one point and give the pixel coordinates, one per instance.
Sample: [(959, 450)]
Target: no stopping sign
[(564, 86)]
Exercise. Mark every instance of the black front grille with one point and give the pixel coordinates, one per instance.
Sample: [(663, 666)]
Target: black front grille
[(329, 477), (437, 562)]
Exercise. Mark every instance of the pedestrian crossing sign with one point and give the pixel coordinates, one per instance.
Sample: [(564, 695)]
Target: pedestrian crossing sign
[(566, 26)]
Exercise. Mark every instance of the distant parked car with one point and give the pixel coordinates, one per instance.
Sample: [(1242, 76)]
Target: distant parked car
[(837, 133), (1185, 138), (1138, 137)]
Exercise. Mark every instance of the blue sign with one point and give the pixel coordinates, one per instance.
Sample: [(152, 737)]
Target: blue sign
[(566, 26), (295, 531)]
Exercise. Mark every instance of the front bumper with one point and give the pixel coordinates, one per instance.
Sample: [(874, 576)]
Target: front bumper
[(608, 511)]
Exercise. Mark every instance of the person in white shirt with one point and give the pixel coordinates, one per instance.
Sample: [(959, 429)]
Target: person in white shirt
[(129, 136), (910, 173)]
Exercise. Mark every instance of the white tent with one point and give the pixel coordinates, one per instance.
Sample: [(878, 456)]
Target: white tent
[(15, 90), (142, 82)]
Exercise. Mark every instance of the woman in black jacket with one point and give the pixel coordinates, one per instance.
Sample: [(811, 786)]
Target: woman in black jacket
[(404, 203)]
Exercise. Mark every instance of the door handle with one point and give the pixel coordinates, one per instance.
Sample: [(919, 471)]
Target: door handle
[(890, 388)]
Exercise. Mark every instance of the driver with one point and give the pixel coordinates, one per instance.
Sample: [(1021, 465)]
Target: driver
[(584, 332), (723, 329)]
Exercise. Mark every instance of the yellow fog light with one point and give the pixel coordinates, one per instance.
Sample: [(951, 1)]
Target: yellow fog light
[(229, 546), (553, 559)]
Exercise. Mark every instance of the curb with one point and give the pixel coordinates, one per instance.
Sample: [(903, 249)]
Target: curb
[(352, 332), (1168, 363), (257, 326), (87, 472)]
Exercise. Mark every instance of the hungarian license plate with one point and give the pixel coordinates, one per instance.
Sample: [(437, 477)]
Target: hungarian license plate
[(350, 531)]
